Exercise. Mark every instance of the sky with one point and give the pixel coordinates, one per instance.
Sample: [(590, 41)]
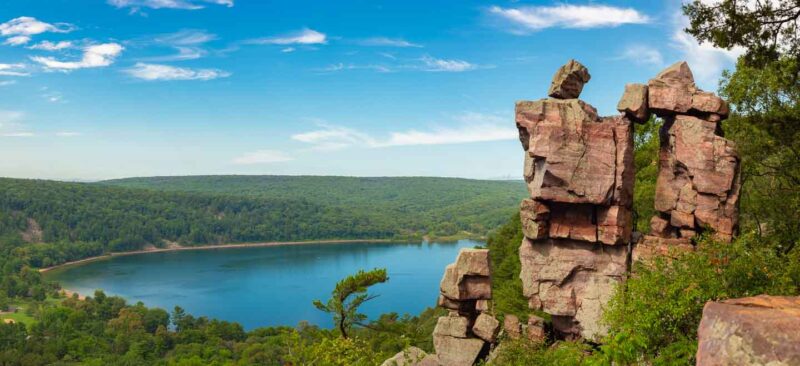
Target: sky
[(101, 89)]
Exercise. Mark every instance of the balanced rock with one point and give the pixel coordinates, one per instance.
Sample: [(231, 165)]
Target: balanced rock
[(761, 330), (572, 281), (569, 80), (412, 356), (469, 277), (634, 103), (673, 91)]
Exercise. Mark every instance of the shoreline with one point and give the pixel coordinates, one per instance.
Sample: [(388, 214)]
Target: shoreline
[(219, 246)]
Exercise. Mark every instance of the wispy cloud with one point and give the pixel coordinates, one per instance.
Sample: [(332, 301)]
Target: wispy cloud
[(52, 95), (154, 72), (533, 18), (7, 82), (135, 5), (288, 50), (20, 30), (51, 46), (302, 37), (386, 42), (11, 125), (100, 55), (68, 134), (439, 65), (262, 157), (17, 69), (641, 55), (470, 127), (187, 43), (706, 61)]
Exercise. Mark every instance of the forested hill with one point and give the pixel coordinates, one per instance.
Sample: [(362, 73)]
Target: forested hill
[(422, 205), (89, 218)]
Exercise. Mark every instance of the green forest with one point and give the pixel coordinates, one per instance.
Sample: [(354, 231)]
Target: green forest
[(653, 318), (70, 221)]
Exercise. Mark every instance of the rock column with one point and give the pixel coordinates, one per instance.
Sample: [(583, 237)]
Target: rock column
[(577, 222)]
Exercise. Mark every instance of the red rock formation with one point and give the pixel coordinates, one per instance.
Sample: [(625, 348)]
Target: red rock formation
[(761, 330), (698, 182), (577, 223)]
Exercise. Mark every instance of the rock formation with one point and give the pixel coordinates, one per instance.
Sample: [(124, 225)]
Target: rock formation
[(577, 222), (761, 330), (466, 288), (698, 181)]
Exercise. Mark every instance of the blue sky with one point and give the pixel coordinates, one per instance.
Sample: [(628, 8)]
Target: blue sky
[(117, 88)]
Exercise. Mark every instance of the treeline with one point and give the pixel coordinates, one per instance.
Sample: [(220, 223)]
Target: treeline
[(77, 220)]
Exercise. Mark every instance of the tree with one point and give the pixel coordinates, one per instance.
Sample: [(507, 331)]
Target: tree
[(766, 29), (344, 309)]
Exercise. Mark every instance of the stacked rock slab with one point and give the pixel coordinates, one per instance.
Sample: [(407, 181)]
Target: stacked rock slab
[(698, 181), (577, 222), (466, 288)]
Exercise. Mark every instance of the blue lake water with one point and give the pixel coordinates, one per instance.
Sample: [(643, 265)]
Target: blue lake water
[(267, 286)]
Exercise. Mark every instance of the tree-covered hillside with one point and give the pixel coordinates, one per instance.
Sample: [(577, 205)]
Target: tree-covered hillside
[(94, 218)]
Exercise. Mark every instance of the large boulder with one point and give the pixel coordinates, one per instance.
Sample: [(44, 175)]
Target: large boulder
[(452, 345), (486, 327), (569, 80), (572, 280), (761, 330), (673, 91), (469, 278)]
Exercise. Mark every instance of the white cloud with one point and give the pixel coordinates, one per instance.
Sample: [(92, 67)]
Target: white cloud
[(534, 18), (262, 157), (19, 30), (435, 64), (153, 72), (288, 50), (304, 36), (642, 55), (10, 125), (68, 134), (51, 46), (188, 43), (167, 4), (7, 82), (100, 55), (471, 127), (386, 42), (705, 60), (13, 70)]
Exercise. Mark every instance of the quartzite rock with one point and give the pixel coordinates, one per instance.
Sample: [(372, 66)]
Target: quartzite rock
[(469, 277), (761, 330), (412, 356), (673, 91), (569, 80), (572, 280), (512, 326), (651, 247), (453, 351), (535, 329), (486, 327), (634, 103)]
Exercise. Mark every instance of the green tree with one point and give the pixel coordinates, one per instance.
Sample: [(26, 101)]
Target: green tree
[(343, 307)]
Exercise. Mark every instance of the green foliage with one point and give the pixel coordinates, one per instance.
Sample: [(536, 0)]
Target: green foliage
[(344, 307), (503, 247), (655, 315), (522, 352), (646, 147)]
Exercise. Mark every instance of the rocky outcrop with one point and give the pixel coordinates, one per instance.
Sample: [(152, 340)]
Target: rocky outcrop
[(412, 356), (761, 330), (465, 334), (577, 222), (698, 181)]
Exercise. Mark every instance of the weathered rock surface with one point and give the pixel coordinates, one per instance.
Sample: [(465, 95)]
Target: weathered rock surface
[(468, 278), (512, 326), (761, 330), (651, 247), (569, 80), (412, 356), (486, 327), (535, 329), (634, 103), (572, 280)]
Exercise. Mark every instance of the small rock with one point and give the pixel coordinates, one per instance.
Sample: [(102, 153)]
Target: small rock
[(452, 326), (412, 356), (634, 103), (486, 327), (659, 227), (534, 216), (511, 326), (452, 351), (535, 329), (482, 305), (569, 80)]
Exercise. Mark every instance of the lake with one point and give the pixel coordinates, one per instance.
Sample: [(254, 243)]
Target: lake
[(268, 286)]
